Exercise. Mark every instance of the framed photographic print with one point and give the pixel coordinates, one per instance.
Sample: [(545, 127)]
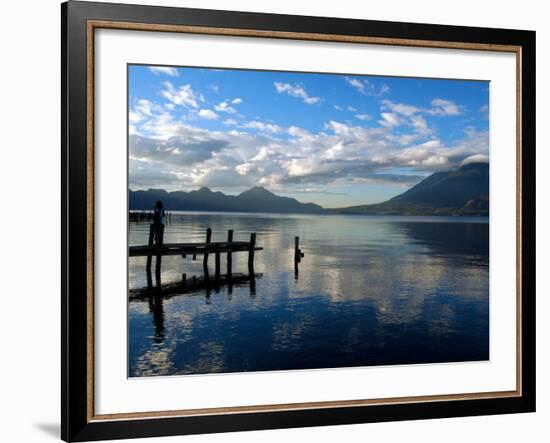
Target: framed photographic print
[(279, 221)]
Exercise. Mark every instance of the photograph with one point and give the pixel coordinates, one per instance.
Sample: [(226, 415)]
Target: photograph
[(285, 220)]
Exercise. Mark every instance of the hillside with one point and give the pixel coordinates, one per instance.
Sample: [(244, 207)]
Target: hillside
[(256, 199), (464, 191)]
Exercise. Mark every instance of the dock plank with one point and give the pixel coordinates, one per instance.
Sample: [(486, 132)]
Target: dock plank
[(189, 248)]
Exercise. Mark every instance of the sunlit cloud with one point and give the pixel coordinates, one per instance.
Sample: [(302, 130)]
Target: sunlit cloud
[(208, 114), (172, 72), (225, 107), (261, 126), (443, 107), (363, 117), (297, 91), (183, 96), (367, 87)]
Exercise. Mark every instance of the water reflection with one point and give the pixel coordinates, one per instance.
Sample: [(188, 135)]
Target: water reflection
[(370, 290), (156, 308)]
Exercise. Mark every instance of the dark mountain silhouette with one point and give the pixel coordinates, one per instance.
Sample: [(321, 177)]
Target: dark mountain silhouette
[(464, 191), (257, 199)]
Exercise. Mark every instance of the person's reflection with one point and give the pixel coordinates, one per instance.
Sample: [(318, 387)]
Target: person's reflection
[(156, 307)]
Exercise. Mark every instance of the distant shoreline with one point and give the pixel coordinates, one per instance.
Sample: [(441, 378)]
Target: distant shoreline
[(480, 218)]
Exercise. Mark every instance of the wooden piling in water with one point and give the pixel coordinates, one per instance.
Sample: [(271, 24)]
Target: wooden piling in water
[(251, 249), (158, 264), (156, 247), (217, 264), (229, 255), (150, 257), (298, 254), (205, 259)]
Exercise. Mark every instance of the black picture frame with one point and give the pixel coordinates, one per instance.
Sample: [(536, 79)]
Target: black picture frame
[(76, 422)]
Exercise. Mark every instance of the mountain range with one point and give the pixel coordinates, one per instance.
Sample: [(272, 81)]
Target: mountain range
[(256, 199), (464, 191)]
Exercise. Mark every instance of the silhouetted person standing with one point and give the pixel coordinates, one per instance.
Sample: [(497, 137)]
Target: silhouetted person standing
[(158, 222)]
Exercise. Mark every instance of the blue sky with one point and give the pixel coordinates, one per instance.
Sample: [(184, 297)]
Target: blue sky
[(333, 139)]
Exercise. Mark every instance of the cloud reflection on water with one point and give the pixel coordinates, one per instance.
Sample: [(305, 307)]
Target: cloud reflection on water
[(370, 291)]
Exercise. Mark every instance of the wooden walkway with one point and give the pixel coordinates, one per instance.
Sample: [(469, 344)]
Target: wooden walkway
[(157, 248), (191, 248)]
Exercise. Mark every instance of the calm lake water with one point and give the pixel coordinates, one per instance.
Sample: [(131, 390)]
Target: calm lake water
[(370, 291)]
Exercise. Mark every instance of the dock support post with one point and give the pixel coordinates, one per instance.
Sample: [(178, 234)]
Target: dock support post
[(251, 247), (150, 257), (159, 255), (297, 252), (184, 280), (229, 255), (205, 259), (217, 262)]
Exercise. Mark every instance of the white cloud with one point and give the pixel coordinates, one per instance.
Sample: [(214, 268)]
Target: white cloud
[(384, 89), (134, 117), (400, 108), (224, 107), (389, 120), (367, 87), (341, 155), (363, 117), (145, 107), (444, 107), (357, 84), (476, 158), (402, 113), (297, 91), (264, 127), (237, 101), (167, 151), (352, 109), (420, 125), (172, 72), (142, 110), (299, 133), (208, 114), (183, 96)]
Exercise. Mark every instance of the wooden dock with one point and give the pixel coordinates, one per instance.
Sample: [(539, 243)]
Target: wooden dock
[(157, 248), (191, 248)]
